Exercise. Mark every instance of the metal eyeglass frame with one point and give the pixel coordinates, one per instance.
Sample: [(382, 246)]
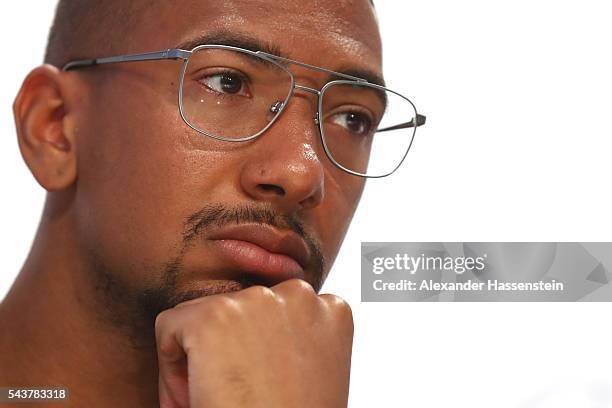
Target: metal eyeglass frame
[(184, 55)]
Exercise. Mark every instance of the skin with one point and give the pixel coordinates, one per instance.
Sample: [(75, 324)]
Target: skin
[(124, 173)]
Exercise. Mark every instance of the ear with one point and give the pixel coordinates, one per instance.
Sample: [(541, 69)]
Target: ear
[(43, 129)]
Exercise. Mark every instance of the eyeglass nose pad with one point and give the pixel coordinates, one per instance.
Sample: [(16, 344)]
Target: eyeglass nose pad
[(276, 107)]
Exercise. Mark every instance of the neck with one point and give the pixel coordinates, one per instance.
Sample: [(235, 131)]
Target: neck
[(53, 334)]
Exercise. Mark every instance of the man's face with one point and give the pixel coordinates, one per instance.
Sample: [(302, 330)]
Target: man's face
[(163, 211)]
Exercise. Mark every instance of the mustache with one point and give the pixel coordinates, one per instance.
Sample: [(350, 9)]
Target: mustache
[(219, 215)]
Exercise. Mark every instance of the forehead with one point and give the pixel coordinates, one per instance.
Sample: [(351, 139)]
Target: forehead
[(328, 33)]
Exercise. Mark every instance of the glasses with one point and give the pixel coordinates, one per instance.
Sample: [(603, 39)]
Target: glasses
[(235, 95)]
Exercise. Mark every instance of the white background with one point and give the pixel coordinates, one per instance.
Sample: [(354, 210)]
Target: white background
[(516, 148)]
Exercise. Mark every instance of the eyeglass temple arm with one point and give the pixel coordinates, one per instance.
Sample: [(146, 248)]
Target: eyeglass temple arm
[(420, 121), (148, 56)]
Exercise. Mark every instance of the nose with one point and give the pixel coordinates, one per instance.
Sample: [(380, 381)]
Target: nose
[(283, 167)]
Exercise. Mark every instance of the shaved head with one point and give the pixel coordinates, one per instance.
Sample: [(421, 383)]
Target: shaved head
[(86, 28), (90, 27)]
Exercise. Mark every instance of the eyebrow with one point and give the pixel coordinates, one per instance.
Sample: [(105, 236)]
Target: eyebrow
[(368, 75), (248, 42), (233, 39)]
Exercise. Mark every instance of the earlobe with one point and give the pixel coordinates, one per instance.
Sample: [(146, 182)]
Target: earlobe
[(44, 130)]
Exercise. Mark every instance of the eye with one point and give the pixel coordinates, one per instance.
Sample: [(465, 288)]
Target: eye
[(356, 122), (226, 82)]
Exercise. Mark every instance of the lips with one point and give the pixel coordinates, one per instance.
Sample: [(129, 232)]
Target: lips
[(263, 250)]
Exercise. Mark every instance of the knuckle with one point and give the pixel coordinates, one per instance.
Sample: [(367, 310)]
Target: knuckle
[(163, 334), (339, 307), (222, 309), (260, 292), (299, 287), (209, 318), (214, 310), (265, 296), (165, 347), (190, 303), (161, 321)]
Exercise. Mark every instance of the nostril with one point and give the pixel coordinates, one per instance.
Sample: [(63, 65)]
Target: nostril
[(271, 188)]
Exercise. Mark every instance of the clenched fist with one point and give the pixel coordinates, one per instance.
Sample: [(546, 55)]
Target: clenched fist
[(283, 346)]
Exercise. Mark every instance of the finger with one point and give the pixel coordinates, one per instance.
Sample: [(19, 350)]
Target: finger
[(172, 361)]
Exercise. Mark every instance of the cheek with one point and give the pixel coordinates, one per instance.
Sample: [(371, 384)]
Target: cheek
[(139, 179), (342, 195)]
